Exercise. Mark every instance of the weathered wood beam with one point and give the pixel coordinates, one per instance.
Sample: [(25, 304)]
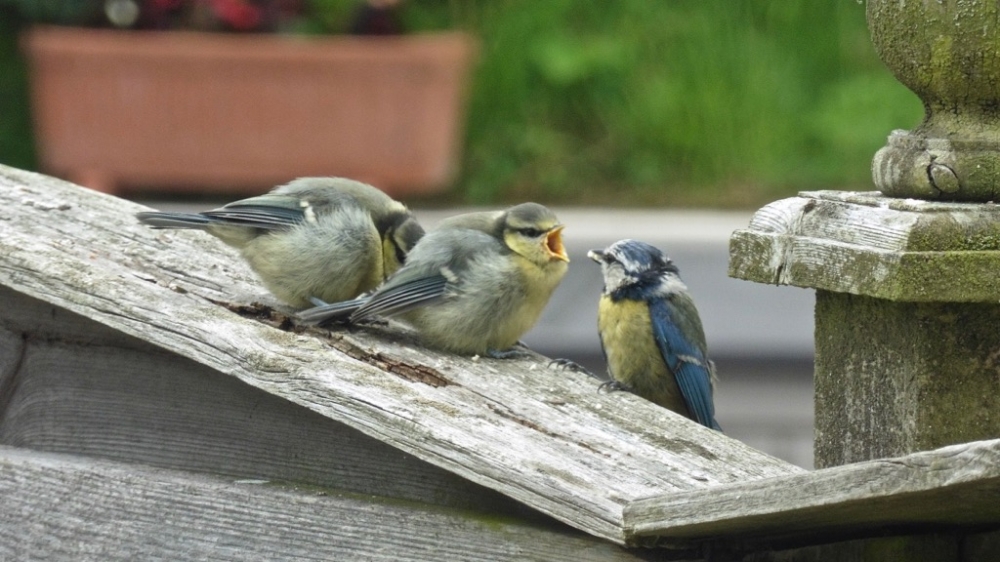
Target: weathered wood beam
[(951, 486), (84, 389), (61, 507), (543, 437)]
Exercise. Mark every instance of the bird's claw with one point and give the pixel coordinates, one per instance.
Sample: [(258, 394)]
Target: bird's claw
[(564, 363), (613, 386), (570, 365)]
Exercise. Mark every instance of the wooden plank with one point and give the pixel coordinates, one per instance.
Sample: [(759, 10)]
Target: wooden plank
[(59, 507), (11, 352), (955, 485), (168, 411), (543, 437)]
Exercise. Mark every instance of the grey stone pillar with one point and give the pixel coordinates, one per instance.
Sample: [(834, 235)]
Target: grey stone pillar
[(907, 279), (907, 290), (907, 315)]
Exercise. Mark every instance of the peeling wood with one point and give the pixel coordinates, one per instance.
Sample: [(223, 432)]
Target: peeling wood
[(286, 322)]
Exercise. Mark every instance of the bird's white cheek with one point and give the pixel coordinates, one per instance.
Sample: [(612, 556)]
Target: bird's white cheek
[(614, 278)]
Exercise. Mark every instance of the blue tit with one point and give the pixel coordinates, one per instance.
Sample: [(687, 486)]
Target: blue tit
[(474, 285), (651, 333), (313, 238)]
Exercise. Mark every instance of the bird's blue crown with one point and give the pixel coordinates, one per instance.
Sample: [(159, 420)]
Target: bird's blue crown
[(638, 257)]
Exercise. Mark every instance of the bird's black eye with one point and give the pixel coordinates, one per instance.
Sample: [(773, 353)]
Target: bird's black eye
[(531, 232)]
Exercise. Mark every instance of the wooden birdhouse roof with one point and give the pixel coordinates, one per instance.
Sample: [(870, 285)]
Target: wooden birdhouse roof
[(152, 363)]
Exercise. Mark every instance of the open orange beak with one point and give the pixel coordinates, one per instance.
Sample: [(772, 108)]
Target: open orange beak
[(554, 245)]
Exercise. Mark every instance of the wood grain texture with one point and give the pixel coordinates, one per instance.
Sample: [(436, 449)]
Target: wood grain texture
[(955, 485), (867, 244), (164, 410), (59, 507), (11, 353), (541, 436)]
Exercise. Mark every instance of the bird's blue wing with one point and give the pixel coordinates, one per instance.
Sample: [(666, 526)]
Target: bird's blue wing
[(395, 297), (266, 212), (400, 296), (266, 216), (324, 313), (156, 219), (684, 356)]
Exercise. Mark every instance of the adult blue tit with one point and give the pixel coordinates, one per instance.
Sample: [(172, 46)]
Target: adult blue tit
[(473, 285), (651, 333), (313, 238)]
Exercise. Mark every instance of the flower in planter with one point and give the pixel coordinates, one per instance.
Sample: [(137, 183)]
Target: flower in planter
[(360, 17), (229, 15), (236, 139), (377, 17)]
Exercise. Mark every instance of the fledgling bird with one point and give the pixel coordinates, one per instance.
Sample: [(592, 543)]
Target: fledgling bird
[(651, 333), (313, 238), (473, 285)]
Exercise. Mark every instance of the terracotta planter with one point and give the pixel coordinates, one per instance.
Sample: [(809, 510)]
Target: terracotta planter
[(218, 112)]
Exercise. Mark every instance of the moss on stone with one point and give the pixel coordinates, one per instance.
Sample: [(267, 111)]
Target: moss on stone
[(907, 316), (948, 53), (946, 252), (897, 377)]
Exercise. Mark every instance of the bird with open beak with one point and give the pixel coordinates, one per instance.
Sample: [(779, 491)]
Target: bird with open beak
[(474, 285)]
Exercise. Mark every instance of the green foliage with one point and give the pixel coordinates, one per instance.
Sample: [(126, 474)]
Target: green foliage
[(335, 16), (710, 102), (67, 12), (16, 148), (329, 16)]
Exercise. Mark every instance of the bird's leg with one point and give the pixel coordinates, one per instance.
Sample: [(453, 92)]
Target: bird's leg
[(507, 353), (570, 365), (519, 349), (613, 386)]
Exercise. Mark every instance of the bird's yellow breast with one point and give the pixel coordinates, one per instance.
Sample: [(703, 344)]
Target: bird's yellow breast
[(634, 359)]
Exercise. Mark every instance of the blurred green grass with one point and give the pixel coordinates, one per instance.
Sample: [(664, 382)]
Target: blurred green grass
[(714, 103), (16, 144)]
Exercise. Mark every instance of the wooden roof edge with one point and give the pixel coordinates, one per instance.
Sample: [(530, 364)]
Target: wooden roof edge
[(541, 436), (953, 485)]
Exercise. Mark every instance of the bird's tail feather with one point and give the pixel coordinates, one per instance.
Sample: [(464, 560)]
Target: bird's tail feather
[(156, 219), (333, 312)]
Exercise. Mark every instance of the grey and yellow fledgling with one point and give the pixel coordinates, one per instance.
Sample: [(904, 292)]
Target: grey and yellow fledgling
[(651, 333), (474, 285), (313, 238)]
